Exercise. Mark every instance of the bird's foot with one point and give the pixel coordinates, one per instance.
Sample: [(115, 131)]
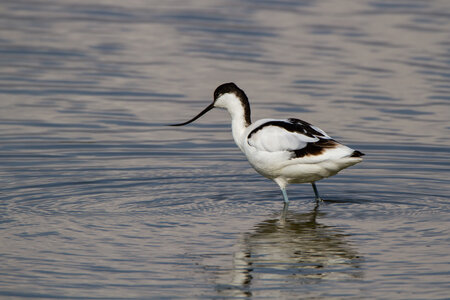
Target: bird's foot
[(319, 200)]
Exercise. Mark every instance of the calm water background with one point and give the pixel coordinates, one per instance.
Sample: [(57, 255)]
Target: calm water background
[(100, 200)]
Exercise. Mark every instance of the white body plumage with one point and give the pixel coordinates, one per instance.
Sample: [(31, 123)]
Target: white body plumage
[(285, 151)]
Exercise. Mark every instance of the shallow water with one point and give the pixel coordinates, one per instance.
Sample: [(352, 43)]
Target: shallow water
[(101, 200)]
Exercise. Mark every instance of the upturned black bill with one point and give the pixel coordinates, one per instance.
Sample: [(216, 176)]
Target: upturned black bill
[(211, 106)]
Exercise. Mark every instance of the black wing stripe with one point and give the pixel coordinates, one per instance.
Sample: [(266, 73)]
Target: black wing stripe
[(293, 125)]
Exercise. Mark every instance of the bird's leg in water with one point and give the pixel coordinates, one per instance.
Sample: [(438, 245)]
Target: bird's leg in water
[(318, 199)]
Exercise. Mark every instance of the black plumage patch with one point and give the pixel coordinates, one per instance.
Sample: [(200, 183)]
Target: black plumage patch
[(357, 153), (291, 125), (231, 87), (315, 148)]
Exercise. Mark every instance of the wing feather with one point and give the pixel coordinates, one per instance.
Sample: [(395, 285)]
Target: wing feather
[(284, 135)]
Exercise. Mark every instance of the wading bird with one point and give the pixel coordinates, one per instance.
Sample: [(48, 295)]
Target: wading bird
[(285, 151)]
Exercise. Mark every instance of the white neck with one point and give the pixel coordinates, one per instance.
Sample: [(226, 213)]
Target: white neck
[(238, 126), (238, 122)]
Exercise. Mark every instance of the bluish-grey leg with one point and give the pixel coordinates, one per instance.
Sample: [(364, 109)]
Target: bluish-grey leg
[(286, 205), (285, 197), (318, 199)]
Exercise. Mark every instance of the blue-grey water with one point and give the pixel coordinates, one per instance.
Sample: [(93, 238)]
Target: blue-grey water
[(99, 199)]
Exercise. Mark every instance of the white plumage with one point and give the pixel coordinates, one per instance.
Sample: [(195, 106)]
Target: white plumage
[(275, 138), (286, 151)]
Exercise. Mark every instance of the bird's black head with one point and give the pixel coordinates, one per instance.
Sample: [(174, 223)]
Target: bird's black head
[(226, 88), (221, 90), (232, 88)]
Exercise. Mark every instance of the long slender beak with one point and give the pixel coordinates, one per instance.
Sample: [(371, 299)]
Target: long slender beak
[(211, 106)]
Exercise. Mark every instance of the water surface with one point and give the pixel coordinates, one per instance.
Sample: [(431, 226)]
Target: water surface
[(99, 199)]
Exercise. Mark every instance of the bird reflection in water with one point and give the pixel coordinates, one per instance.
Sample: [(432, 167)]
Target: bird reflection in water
[(293, 250)]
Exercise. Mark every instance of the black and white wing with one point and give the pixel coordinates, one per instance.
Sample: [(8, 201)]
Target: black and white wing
[(296, 136)]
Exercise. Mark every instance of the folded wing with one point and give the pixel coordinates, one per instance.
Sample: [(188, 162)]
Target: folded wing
[(296, 136)]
